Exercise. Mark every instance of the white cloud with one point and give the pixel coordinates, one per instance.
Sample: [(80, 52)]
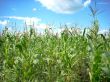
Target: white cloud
[(64, 6), (87, 3), (40, 26), (27, 20), (34, 9), (68, 23), (3, 22), (103, 31), (30, 21)]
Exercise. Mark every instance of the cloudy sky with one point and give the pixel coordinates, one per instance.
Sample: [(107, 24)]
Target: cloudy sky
[(43, 12)]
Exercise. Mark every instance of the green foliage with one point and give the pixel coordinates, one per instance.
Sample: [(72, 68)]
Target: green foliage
[(72, 57), (30, 57)]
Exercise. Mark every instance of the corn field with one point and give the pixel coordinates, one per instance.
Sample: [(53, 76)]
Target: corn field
[(72, 57)]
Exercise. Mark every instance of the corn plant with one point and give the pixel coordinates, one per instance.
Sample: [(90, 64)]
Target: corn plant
[(73, 57)]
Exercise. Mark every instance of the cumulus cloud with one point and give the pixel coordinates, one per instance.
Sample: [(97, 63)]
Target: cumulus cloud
[(41, 26), (103, 31), (64, 6), (3, 22), (87, 3), (34, 9), (27, 20)]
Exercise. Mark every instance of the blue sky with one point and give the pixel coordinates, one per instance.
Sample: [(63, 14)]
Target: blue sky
[(55, 12)]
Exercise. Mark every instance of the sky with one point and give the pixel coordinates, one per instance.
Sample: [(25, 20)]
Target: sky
[(41, 13)]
